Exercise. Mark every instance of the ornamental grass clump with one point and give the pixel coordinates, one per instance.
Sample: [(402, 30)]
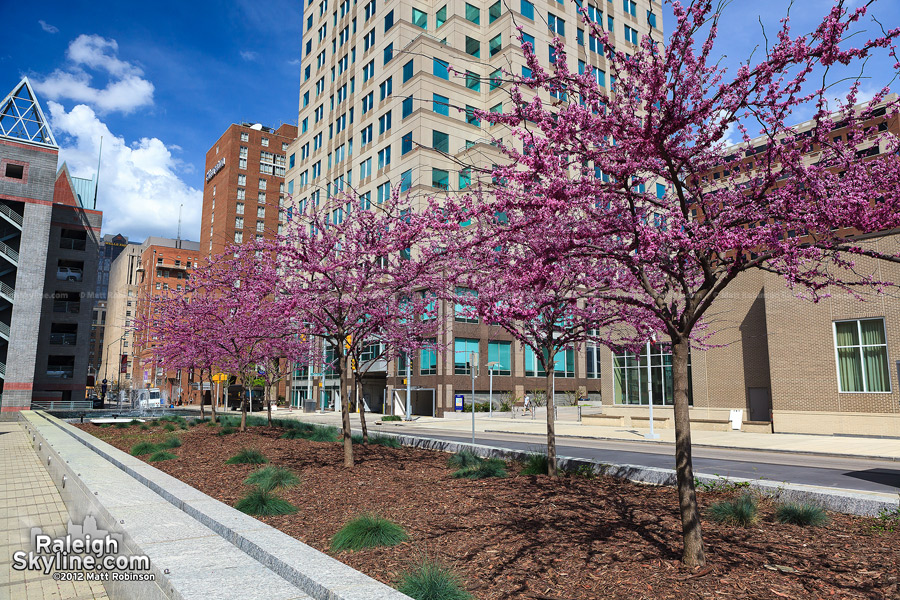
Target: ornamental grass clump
[(271, 478), (492, 467), (368, 531), (388, 418), (143, 448), (169, 427), (464, 459), (384, 440), (161, 455), (263, 503), (227, 431), (430, 581), (804, 514), (535, 464), (742, 511), (247, 456), (171, 442)]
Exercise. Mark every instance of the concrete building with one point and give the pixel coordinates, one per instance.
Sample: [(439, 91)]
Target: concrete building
[(380, 107), (110, 248), (48, 261), (118, 337), (244, 185)]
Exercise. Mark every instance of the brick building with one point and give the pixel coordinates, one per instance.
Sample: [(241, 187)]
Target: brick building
[(244, 185), (48, 261)]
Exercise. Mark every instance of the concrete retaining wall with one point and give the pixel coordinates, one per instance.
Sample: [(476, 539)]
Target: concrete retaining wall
[(198, 546)]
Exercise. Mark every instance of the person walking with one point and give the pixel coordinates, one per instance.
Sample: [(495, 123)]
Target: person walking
[(527, 404)]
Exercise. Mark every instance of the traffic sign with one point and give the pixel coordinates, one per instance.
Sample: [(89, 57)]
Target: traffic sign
[(220, 377)]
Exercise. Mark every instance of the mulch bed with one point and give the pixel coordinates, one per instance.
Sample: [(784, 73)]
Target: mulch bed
[(532, 537)]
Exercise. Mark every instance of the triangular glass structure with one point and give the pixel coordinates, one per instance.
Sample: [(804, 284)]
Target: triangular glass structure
[(21, 116)]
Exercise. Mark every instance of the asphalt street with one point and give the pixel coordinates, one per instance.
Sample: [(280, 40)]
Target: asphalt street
[(846, 473)]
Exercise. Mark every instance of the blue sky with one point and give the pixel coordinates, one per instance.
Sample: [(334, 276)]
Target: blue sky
[(160, 81)]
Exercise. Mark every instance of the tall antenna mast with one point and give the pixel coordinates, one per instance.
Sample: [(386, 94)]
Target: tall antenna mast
[(180, 206), (97, 183)]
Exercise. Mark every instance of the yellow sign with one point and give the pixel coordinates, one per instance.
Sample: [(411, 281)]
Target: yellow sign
[(220, 378)]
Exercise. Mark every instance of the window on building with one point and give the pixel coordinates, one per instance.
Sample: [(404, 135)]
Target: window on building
[(368, 102), (556, 25), (471, 119), (465, 178), (407, 107), (528, 39), (261, 212), (463, 351), (383, 192), (495, 44), (440, 178), (630, 7), (441, 69), (592, 361), (631, 35), (239, 223), (388, 21), (386, 88), (631, 373), (245, 137), (527, 9), (473, 14), (494, 11), (238, 237), (428, 361), (501, 354), (406, 180), (365, 169), (440, 17), (240, 208), (473, 47), (441, 105), (388, 53), (419, 18), (497, 108), (406, 144), (384, 157), (473, 82), (440, 141), (408, 71), (384, 123), (265, 142), (496, 79), (463, 312), (862, 361)]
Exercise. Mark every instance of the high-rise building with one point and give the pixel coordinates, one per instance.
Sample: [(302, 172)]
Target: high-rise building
[(387, 98), (48, 261), (244, 186), (110, 248)]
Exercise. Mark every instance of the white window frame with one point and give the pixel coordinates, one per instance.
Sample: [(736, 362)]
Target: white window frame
[(837, 364)]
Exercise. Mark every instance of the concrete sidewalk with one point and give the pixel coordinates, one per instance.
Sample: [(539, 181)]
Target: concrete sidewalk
[(829, 445), (28, 498)]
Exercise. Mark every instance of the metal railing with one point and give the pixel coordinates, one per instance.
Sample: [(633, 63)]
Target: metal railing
[(3, 370), (4, 329), (7, 290), (61, 405), (60, 372), (12, 254), (63, 339), (72, 244), (11, 214)]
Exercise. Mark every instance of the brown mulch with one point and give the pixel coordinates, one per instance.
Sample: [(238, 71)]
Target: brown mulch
[(532, 537)]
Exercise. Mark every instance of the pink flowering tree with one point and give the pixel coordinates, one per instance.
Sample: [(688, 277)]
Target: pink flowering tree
[(351, 273), (666, 214)]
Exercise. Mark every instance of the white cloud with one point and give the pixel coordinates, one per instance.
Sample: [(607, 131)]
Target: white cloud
[(249, 55), (126, 90), (140, 190), (48, 27)]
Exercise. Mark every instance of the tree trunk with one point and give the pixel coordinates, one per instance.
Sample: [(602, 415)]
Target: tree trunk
[(362, 409), (244, 400), (551, 423), (693, 554), (345, 415), (212, 405), (202, 397)]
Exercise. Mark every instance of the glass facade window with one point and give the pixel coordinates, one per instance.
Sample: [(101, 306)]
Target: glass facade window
[(463, 348), (465, 178), (494, 11), (427, 361), (632, 372), (441, 69), (441, 105), (473, 47), (495, 44), (473, 82), (463, 312), (527, 9), (862, 359), (420, 18), (406, 180), (500, 353), (406, 144), (407, 107), (592, 356), (440, 141), (473, 14), (388, 20), (440, 178), (408, 71), (440, 17)]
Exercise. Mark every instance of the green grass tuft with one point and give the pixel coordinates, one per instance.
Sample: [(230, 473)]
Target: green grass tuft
[(135, 422), (169, 427), (264, 504), (271, 478), (367, 531), (742, 511), (430, 581), (384, 440), (171, 442), (323, 434), (536, 464), (387, 418), (492, 467), (123, 425), (464, 459), (145, 427), (247, 456), (143, 448), (161, 455), (805, 515), (227, 431)]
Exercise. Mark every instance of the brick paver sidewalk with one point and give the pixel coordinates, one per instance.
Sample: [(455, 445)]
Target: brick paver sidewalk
[(28, 498)]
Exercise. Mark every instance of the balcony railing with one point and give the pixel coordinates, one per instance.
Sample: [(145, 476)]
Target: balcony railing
[(66, 306), (11, 214), (60, 371), (7, 290), (9, 252), (63, 339), (72, 244), (60, 405)]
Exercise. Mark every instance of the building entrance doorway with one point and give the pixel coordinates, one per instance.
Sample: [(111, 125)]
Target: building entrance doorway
[(760, 404), (421, 400)]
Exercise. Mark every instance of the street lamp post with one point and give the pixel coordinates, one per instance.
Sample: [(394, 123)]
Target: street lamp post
[(408, 386), (490, 367), (652, 435)]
